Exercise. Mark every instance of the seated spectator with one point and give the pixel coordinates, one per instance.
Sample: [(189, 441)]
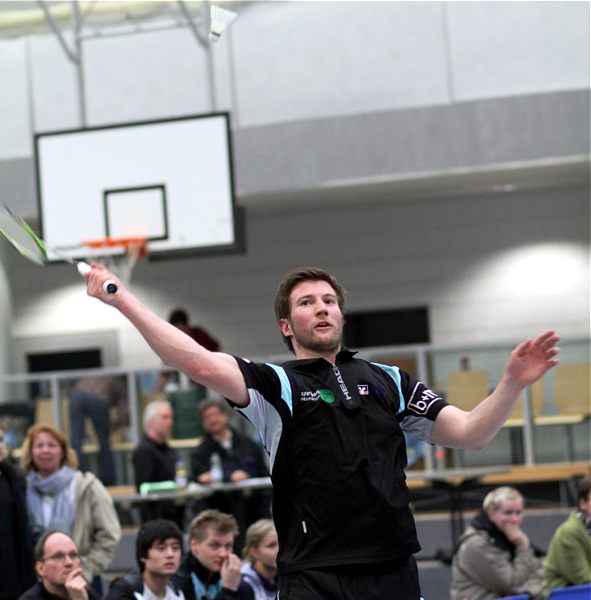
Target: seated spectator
[(259, 574), (93, 397), (210, 570), (241, 458), (494, 557), (569, 556), (16, 551), (154, 461), (57, 563), (158, 551), (59, 496)]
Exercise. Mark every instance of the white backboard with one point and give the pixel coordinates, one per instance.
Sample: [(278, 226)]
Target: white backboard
[(169, 181)]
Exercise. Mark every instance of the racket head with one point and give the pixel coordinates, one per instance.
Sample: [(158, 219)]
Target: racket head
[(20, 234)]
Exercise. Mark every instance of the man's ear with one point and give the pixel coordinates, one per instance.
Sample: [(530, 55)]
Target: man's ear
[(285, 327), (40, 568), (194, 546)]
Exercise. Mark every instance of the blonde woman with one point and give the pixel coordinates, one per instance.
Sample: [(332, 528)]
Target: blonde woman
[(259, 573), (60, 496), (494, 557)]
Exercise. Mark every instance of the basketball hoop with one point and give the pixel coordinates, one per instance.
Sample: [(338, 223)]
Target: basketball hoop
[(119, 255)]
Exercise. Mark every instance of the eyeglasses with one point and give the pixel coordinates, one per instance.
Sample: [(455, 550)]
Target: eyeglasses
[(60, 557)]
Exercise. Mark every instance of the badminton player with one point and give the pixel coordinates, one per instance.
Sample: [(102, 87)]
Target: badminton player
[(333, 426)]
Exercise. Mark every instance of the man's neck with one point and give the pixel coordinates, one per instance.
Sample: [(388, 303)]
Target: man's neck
[(222, 435), (158, 439), (56, 590), (156, 583), (307, 354)]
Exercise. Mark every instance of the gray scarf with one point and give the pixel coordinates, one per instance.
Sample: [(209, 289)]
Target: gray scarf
[(56, 485)]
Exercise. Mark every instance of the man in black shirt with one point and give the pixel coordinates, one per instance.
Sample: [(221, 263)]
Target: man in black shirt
[(333, 426), (57, 563), (154, 461)]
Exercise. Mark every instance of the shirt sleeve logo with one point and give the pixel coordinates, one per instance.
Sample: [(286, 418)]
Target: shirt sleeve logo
[(421, 402)]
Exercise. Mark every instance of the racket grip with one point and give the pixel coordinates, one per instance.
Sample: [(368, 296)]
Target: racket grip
[(110, 287)]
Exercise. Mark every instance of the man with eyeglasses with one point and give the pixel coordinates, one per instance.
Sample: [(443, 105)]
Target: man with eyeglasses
[(57, 563)]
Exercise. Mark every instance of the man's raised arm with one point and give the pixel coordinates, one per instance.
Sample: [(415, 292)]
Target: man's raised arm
[(214, 370), (529, 361)]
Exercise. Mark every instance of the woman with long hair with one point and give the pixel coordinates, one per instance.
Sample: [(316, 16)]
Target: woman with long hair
[(259, 573), (60, 496)]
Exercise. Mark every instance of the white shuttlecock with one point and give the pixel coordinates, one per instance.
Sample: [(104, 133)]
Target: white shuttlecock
[(220, 19)]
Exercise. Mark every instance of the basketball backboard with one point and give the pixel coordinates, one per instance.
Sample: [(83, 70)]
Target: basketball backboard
[(169, 181)]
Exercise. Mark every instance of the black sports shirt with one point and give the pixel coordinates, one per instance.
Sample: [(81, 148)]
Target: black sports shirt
[(334, 434)]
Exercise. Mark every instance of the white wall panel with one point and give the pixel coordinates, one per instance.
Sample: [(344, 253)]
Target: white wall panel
[(513, 48)]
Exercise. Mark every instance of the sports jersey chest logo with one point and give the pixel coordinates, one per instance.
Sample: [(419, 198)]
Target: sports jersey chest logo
[(316, 395)]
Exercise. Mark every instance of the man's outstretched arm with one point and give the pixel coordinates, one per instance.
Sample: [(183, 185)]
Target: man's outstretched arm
[(214, 370), (528, 362)]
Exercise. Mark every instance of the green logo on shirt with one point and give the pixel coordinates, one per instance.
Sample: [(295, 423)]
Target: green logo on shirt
[(327, 396)]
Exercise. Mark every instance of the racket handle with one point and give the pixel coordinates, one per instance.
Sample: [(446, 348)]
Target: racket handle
[(110, 287)]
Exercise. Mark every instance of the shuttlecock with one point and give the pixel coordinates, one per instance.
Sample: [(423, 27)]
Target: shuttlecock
[(220, 19)]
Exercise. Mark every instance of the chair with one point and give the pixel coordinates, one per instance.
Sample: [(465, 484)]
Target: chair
[(536, 392), (572, 395), (465, 389), (575, 592)]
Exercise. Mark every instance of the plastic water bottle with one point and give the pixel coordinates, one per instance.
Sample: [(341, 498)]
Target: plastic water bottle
[(216, 471), (181, 474)]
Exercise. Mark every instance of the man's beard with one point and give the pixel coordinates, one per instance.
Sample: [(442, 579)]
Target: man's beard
[(321, 346)]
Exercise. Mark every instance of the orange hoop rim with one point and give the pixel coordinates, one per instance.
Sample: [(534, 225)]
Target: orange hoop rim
[(136, 246)]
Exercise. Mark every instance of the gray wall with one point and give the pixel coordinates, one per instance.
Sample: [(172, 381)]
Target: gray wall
[(429, 153)]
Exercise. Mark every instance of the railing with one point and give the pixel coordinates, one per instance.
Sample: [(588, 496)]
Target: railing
[(429, 363)]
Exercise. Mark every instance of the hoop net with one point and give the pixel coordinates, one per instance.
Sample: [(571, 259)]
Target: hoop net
[(119, 255)]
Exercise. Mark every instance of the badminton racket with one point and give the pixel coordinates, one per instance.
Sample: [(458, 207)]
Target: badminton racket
[(20, 234)]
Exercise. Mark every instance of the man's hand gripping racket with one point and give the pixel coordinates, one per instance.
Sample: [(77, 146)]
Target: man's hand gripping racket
[(20, 234)]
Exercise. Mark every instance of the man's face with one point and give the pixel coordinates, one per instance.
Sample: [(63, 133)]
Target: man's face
[(164, 557), (60, 558), (160, 427), (214, 420), (213, 550), (585, 505), (315, 323)]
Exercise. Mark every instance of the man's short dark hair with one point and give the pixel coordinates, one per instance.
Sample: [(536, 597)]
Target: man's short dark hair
[(179, 317), (157, 530), (219, 522), (293, 278), (583, 489), (39, 550), (210, 403)]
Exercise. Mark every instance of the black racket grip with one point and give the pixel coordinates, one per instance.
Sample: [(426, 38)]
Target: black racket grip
[(110, 287)]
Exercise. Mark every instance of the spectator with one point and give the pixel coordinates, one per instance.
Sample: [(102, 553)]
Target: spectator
[(154, 461), (210, 570), (241, 458), (16, 552), (59, 496), (259, 574), (494, 557), (93, 397), (158, 551), (57, 563), (180, 319), (569, 556)]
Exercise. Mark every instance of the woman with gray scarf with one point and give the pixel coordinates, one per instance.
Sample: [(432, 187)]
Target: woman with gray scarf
[(60, 496)]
